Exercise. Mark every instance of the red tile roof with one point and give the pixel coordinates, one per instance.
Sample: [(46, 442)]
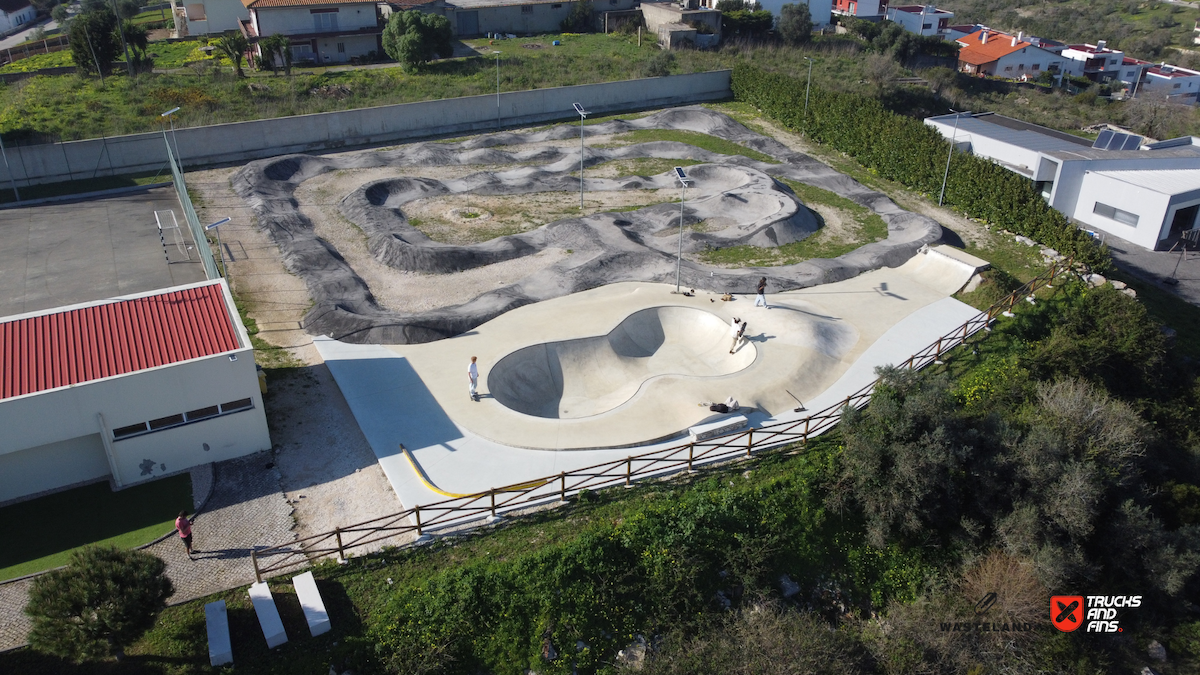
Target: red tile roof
[(58, 349), (258, 4), (978, 53)]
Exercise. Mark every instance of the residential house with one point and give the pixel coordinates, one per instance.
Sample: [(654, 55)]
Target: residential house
[(15, 14), (1132, 72), (924, 20), (321, 31), (995, 54), (517, 17), (1145, 193), (869, 10), (1173, 82), (1096, 62), (207, 17), (963, 30)]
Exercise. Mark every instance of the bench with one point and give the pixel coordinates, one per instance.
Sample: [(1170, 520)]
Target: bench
[(311, 603), (220, 650), (268, 615), (725, 425)]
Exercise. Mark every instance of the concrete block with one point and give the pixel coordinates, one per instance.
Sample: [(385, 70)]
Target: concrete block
[(268, 615), (723, 426), (220, 650), (311, 603)]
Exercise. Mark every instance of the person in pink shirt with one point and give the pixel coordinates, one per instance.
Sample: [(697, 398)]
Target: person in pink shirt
[(184, 526)]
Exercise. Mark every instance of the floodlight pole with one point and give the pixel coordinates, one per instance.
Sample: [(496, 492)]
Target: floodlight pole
[(217, 226), (582, 114), (683, 181), (953, 137), (806, 88), (497, 53), (170, 115)]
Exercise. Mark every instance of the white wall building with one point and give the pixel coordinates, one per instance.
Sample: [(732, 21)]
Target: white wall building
[(1146, 196), (15, 14), (821, 10), (1096, 62), (207, 16), (1177, 84), (922, 19), (332, 32), (127, 389), (1012, 57)]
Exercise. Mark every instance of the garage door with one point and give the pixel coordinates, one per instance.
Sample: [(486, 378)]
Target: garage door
[(468, 23)]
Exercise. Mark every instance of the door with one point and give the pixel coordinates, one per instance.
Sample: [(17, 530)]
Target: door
[(468, 23), (1184, 220)]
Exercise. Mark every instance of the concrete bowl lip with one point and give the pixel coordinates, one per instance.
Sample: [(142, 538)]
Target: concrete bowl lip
[(646, 382)]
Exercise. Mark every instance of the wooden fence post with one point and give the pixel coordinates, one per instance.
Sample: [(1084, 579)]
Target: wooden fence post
[(492, 494), (562, 486), (254, 560), (691, 452), (628, 470), (749, 442), (417, 512), (341, 553)]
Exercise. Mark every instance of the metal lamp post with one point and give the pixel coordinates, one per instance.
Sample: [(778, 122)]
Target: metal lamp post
[(497, 53), (683, 183), (217, 226), (806, 88), (582, 114), (953, 136), (170, 115)]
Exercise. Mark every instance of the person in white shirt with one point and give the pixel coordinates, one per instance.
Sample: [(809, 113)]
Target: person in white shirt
[(473, 377), (735, 331)]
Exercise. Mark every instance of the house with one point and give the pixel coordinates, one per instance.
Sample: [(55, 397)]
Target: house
[(869, 10), (995, 54), (1132, 72), (126, 389), (963, 30), (15, 14), (1096, 62), (1173, 82), (821, 10), (922, 19), (1147, 194), (676, 26), (518, 17), (207, 17), (321, 31)]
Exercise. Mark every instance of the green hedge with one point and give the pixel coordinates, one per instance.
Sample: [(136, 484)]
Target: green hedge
[(906, 150)]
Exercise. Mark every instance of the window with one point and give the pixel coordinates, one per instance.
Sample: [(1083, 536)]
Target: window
[(1036, 66), (130, 430), (527, 9), (324, 20), (1021, 67), (926, 26), (202, 413), (180, 419), (557, 5), (164, 422), (1008, 69), (238, 405), (1115, 214), (341, 47), (1175, 86)]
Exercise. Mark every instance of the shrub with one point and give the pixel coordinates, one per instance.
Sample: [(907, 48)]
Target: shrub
[(101, 602)]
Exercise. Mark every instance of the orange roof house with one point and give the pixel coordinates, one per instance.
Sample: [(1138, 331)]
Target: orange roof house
[(993, 53)]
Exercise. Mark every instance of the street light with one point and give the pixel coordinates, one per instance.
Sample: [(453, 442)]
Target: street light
[(806, 88), (683, 183), (953, 136), (170, 115), (582, 114), (216, 226), (497, 53)]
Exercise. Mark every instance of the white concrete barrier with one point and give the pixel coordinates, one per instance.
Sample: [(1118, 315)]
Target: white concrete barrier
[(220, 650), (268, 615), (243, 141), (311, 603), (721, 427)]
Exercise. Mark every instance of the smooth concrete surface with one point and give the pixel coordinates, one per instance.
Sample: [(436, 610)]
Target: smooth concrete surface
[(312, 604), (216, 621), (587, 376), (393, 391), (64, 254), (242, 141), (268, 614)]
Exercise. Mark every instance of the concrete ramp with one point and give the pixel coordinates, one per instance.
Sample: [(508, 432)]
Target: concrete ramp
[(943, 268), (588, 376)]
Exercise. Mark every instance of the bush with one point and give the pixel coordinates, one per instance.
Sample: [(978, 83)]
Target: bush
[(413, 38), (909, 152), (795, 24), (580, 18), (101, 602)]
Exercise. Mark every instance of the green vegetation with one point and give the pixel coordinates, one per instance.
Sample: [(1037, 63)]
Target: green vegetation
[(638, 166), (42, 533), (273, 359), (57, 59), (858, 226), (694, 138), (415, 38)]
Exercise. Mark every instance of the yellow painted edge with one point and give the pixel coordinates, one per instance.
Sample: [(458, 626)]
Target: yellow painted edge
[(412, 461)]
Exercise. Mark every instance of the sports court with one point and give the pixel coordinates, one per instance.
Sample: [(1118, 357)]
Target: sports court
[(70, 252)]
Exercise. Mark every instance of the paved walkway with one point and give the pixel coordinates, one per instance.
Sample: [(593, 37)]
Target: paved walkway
[(246, 509), (1156, 266)]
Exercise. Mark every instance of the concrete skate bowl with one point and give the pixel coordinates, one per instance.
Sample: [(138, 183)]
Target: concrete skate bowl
[(589, 376)]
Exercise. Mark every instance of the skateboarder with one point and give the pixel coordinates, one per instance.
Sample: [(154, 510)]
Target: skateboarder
[(735, 331), (473, 378)]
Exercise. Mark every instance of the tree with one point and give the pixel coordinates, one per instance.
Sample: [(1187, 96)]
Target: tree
[(102, 602), (881, 71), (94, 34), (413, 38), (127, 9), (277, 51), (795, 24), (234, 46), (747, 24), (580, 18), (60, 14), (138, 39)]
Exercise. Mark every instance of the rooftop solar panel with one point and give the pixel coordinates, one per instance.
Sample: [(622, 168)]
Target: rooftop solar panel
[(1103, 140)]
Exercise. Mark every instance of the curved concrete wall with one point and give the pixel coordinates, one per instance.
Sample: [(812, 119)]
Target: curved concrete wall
[(243, 141)]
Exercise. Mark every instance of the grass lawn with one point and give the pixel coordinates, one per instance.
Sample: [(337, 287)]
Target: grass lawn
[(39, 534)]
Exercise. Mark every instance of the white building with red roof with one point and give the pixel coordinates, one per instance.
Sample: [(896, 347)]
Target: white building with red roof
[(1180, 85), (1012, 57), (922, 19), (127, 390), (1097, 62)]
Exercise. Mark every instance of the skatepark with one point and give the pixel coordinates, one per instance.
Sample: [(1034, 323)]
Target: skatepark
[(591, 354)]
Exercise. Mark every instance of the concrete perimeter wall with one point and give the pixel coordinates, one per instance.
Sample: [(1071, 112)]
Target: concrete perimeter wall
[(244, 141)]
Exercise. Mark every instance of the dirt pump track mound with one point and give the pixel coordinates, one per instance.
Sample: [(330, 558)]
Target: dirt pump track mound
[(605, 247)]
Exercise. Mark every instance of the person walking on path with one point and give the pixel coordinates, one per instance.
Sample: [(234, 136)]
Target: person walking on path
[(761, 299), (473, 378), (735, 331), (184, 527)]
